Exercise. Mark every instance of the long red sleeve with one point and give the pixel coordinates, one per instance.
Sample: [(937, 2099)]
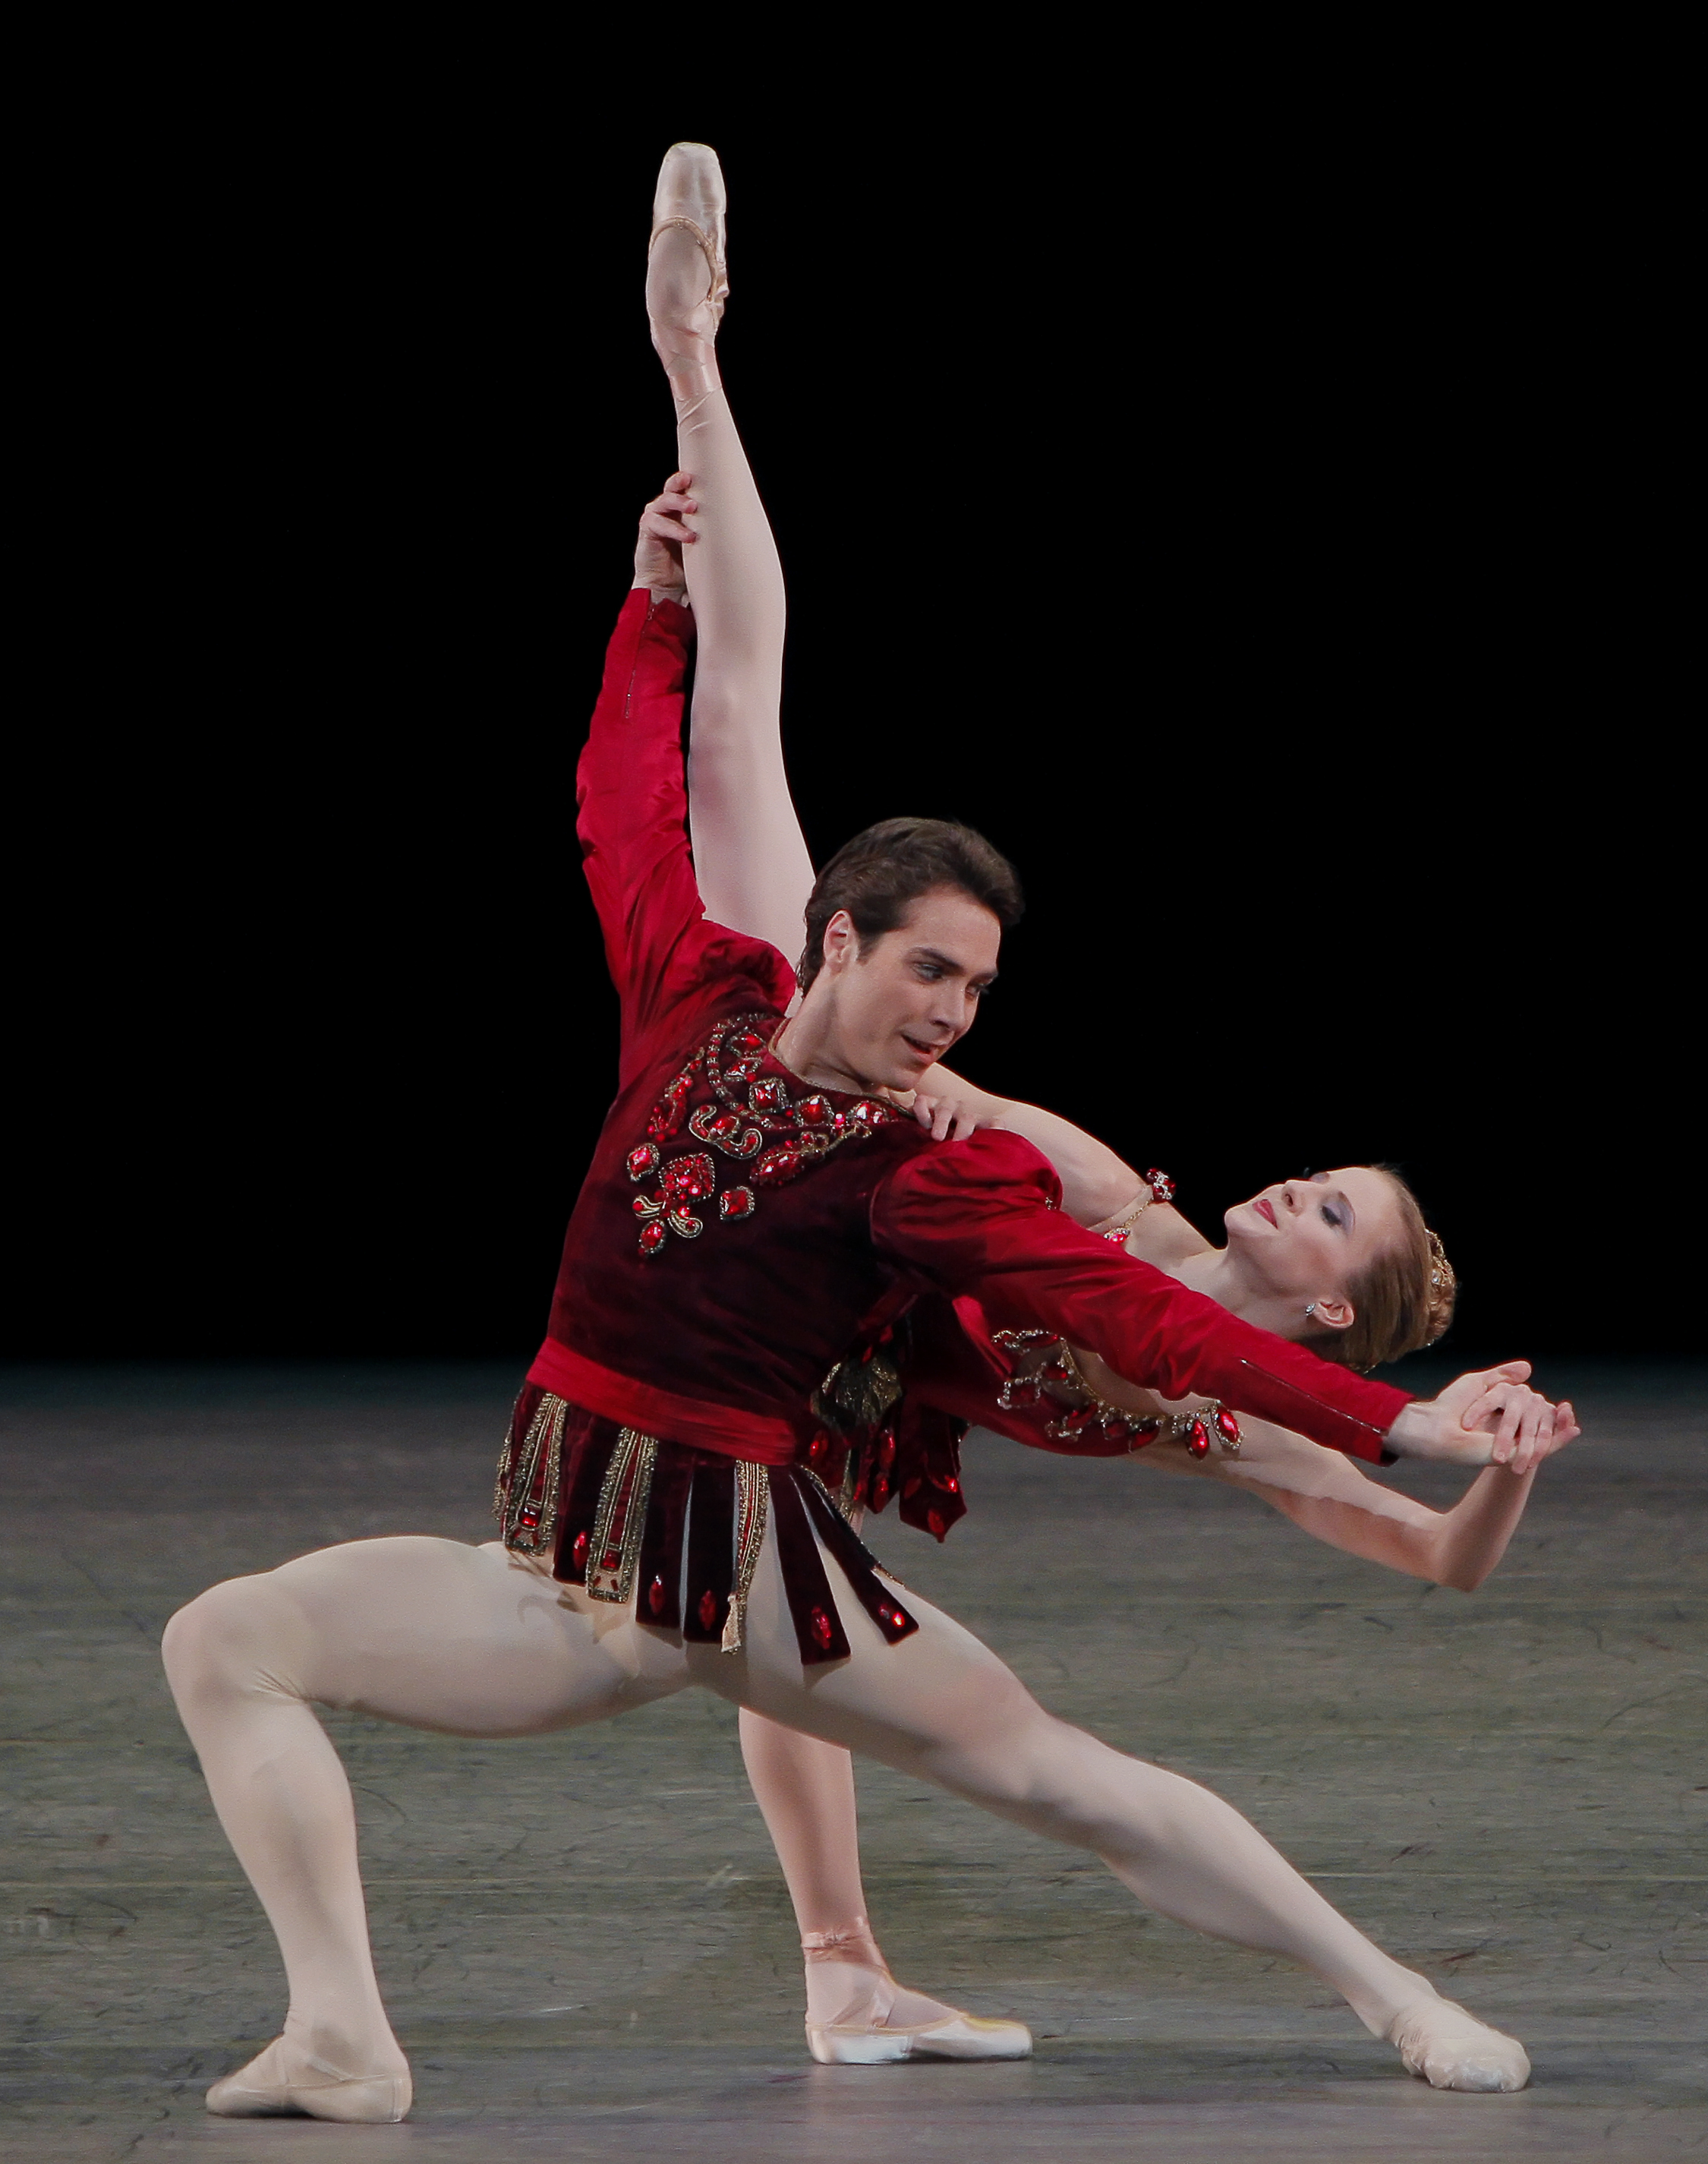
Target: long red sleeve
[(979, 1217), (667, 960)]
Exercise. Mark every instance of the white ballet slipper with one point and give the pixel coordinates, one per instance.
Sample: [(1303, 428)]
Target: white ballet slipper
[(1442, 2044), (961, 2036), (318, 2090)]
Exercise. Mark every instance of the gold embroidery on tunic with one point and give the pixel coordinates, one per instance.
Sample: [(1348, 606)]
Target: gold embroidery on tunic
[(752, 1500), (525, 1500), (622, 1517)]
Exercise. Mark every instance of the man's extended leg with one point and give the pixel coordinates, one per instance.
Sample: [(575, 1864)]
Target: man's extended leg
[(942, 1706)]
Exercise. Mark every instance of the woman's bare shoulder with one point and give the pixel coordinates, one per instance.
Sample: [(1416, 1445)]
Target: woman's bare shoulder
[(1162, 1237)]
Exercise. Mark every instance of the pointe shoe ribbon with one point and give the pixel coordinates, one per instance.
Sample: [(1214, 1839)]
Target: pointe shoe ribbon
[(961, 2036), (720, 290), (354, 2099), (1442, 2044)]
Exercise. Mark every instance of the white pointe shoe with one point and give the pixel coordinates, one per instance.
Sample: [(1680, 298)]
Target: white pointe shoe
[(961, 2036), (1443, 2044), (864, 2018), (685, 298), (318, 2090)]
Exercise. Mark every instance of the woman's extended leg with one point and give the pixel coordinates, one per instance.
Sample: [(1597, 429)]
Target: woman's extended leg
[(941, 1705), (427, 1632), (749, 855)]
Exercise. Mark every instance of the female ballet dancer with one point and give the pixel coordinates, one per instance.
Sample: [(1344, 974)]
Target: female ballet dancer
[(753, 867), (1375, 1299), (679, 1537)]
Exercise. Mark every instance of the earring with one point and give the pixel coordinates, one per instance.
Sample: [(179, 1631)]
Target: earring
[(1312, 1309)]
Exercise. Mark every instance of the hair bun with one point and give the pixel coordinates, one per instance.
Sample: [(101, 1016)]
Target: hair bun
[(1443, 1288)]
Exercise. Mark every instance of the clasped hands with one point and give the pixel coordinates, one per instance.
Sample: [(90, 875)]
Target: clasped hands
[(1490, 1417)]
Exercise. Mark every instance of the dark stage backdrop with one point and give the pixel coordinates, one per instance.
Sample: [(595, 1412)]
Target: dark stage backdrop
[(1207, 543)]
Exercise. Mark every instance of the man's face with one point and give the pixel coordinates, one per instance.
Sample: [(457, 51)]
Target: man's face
[(907, 996)]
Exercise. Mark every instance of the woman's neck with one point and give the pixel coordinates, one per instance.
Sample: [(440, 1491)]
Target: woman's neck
[(1219, 1273)]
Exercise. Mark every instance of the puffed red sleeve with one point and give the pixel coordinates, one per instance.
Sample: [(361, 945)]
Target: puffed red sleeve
[(979, 1217), (666, 958)]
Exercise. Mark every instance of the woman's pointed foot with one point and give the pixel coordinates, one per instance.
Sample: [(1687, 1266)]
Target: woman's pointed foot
[(956, 2036), (1443, 2044), (858, 2015), (287, 2082), (686, 282)]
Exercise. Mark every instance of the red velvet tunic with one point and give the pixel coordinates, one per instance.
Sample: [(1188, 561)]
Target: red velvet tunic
[(739, 1231)]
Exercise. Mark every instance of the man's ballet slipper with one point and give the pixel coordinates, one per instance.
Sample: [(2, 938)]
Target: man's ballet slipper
[(1443, 2044), (961, 2036), (329, 2092)]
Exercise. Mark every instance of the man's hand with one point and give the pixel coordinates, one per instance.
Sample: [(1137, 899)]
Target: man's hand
[(951, 1108), (664, 533), (1490, 1418)]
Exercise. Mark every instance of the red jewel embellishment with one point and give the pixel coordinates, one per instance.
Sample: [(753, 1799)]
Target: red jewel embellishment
[(822, 1630), (529, 1521), (1198, 1438), (736, 1202), (689, 1179), (655, 1596), (1226, 1426), (645, 1206), (644, 1160), (779, 1165), (1160, 1186), (653, 1238), (578, 1554), (708, 1608), (816, 1112), (819, 1445), (771, 1096), (726, 1131)]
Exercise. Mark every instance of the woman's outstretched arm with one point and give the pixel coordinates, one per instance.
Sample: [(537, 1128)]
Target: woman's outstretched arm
[(1323, 1492)]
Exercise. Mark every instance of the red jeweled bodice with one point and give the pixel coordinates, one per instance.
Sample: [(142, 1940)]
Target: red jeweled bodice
[(768, 1122)]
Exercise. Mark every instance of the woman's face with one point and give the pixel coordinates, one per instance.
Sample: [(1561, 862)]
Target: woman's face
[(1310, 1237)]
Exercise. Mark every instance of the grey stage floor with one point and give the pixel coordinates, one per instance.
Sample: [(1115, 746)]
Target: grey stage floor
[(585, 1943)]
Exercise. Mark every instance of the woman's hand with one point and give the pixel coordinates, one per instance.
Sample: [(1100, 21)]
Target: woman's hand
[(1491, 1417), (951, 1108), (665, 533)]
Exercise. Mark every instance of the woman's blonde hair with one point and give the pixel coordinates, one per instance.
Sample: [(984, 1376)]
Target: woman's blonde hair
[(1401, 1300)]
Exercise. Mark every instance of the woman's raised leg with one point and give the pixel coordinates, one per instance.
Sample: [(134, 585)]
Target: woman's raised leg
[(428, 1632), (942, 1706), (749, 854)]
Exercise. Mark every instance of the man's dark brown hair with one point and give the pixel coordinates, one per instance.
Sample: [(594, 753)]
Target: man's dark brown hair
[(876, 875)]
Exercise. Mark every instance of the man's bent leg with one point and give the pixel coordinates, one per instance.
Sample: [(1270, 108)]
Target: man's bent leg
[(427, 1632)]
